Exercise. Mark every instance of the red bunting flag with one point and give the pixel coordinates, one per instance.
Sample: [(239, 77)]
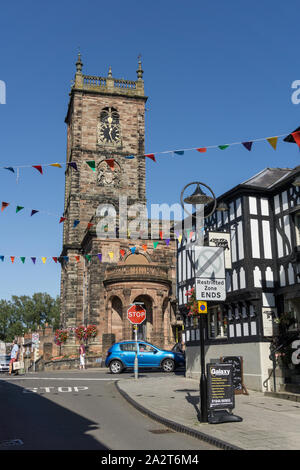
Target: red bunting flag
[(62, 219), (296, 136), (77, 258), (12, 259), (54, 259), (111, 163), (122, 252), (161, 235), (202, 149), (151, 155), (39, 168), (89, 225), (4, 205)]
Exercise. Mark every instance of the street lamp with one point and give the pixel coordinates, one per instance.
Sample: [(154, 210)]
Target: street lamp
[(197, 198)]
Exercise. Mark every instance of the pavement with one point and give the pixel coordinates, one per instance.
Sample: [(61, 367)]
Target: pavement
[(268, 423)]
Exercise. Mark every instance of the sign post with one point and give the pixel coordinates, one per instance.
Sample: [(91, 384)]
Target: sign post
[(136, 314)]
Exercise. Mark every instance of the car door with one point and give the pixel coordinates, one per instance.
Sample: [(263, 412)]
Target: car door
[(127, 353), (147, 355)]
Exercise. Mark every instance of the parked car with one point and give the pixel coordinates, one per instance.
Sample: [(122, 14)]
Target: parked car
[(121, 356), (4, 362)]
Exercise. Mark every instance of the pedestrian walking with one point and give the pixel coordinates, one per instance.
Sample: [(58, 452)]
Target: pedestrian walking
[(81, 356), (13, 355)]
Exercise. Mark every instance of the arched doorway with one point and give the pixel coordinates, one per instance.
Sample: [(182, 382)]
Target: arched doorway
[(144, 331)]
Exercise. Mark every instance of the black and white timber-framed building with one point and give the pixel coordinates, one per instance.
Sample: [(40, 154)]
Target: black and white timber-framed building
[(263, 220)]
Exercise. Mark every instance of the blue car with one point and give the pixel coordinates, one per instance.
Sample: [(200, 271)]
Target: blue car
[(121, 356)]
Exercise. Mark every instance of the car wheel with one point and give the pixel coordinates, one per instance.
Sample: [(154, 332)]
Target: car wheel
[(168, 365), (116, 367)]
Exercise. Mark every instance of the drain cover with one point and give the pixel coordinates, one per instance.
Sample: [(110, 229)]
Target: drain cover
[(11, 442), (160, 431)]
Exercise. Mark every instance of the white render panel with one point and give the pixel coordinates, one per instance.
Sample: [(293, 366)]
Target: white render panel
[(268, 299), (179, 266), (267, 239), (234, 280), (264, 206), (242, 278), (233, 245), (282, 276), (254, 238), (276, 204), (279, 244), (241, 240), (252, 205), (285, 205), (184, 265), (257, 277), (287, 227), (291, 276), (269, 277), (231, 211), (238, 207)]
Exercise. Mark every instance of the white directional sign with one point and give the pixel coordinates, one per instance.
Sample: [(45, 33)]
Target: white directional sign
[(210, 273)]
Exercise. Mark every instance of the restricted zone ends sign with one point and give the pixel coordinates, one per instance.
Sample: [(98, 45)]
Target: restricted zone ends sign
[(136, 314)]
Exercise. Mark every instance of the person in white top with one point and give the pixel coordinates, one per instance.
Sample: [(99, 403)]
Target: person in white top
[(13, 355)]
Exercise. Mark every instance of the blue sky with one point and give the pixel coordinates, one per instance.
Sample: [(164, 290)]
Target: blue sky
[(215, 73)]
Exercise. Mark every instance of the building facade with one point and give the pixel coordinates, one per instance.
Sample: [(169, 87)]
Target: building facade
[(106, 173), (263, 283)]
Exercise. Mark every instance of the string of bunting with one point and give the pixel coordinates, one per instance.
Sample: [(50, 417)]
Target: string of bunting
[(111, 162)]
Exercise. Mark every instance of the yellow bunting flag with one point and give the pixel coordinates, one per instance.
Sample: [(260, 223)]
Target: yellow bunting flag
[(180, 238), (273, 141), (44, 259), (58, 165), (111, 254)]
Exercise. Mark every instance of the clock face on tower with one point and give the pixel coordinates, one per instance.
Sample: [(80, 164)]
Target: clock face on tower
[(109, 132)]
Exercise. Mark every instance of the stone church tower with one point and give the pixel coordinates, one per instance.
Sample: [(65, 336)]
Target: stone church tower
[(103, 275)]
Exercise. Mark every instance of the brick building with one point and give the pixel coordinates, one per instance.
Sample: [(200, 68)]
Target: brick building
[(105, 125)]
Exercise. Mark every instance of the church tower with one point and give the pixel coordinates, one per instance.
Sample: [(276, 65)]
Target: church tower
[(105, 161)]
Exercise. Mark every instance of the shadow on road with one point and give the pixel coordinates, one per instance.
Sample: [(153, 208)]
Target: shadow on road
[(41, 424)]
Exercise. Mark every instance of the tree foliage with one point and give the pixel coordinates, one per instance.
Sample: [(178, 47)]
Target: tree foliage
[(22, 313)]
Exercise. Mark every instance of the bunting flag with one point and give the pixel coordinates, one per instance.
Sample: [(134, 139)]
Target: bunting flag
[(38, 168), (19, 208), (4, 205), (133, 250), (111, 254), (296, 136), (12, 258), (44, 259), (99, 256), (202, 149), (2, 258), (144, 247), (247, 145), (33, 259), (155, 245), (54, 259), (62, 219), (122, 253), (77, 258), (58, 165), (111, 163), (88, 257), (92, 164), (22, 258), (167, 241), (89, 225), (223, 147), (129, 157), (10, 168), (33, 212), (66, 258), (161, 235), (151, 155), (179, 152), (180, 238), (73, 165), (76, 222), (273, 141)]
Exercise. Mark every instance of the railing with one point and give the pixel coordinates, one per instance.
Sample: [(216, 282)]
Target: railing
[(136, 272), (91, 82), (124, 84)]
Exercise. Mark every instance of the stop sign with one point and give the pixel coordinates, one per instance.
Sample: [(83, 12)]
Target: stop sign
[(136, 314)]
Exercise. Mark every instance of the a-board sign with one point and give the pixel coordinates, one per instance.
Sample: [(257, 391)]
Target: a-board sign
[(220, 390), (238, 380)]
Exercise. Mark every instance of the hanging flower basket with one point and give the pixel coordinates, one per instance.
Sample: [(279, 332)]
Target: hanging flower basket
[(85, 333), (61, 337), (192, 303)]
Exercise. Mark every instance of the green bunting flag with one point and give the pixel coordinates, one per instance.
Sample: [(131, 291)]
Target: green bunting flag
[(88, 257), (155, 245), (19, 208), (92, 164), (223, 147), (22, 258)]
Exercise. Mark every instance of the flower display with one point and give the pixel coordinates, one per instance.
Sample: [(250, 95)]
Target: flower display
[(84, 333), (61, 337), (192, 303)]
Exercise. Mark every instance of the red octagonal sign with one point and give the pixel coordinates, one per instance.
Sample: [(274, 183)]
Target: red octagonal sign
[(136, 314)]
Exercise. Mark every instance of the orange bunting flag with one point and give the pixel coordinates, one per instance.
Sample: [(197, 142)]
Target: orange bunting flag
[(202, 149), (151, 155), (296, 136), (111, 163), (12, 259), (38, 168), (144, 247), (273, 141), (4, 205)]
